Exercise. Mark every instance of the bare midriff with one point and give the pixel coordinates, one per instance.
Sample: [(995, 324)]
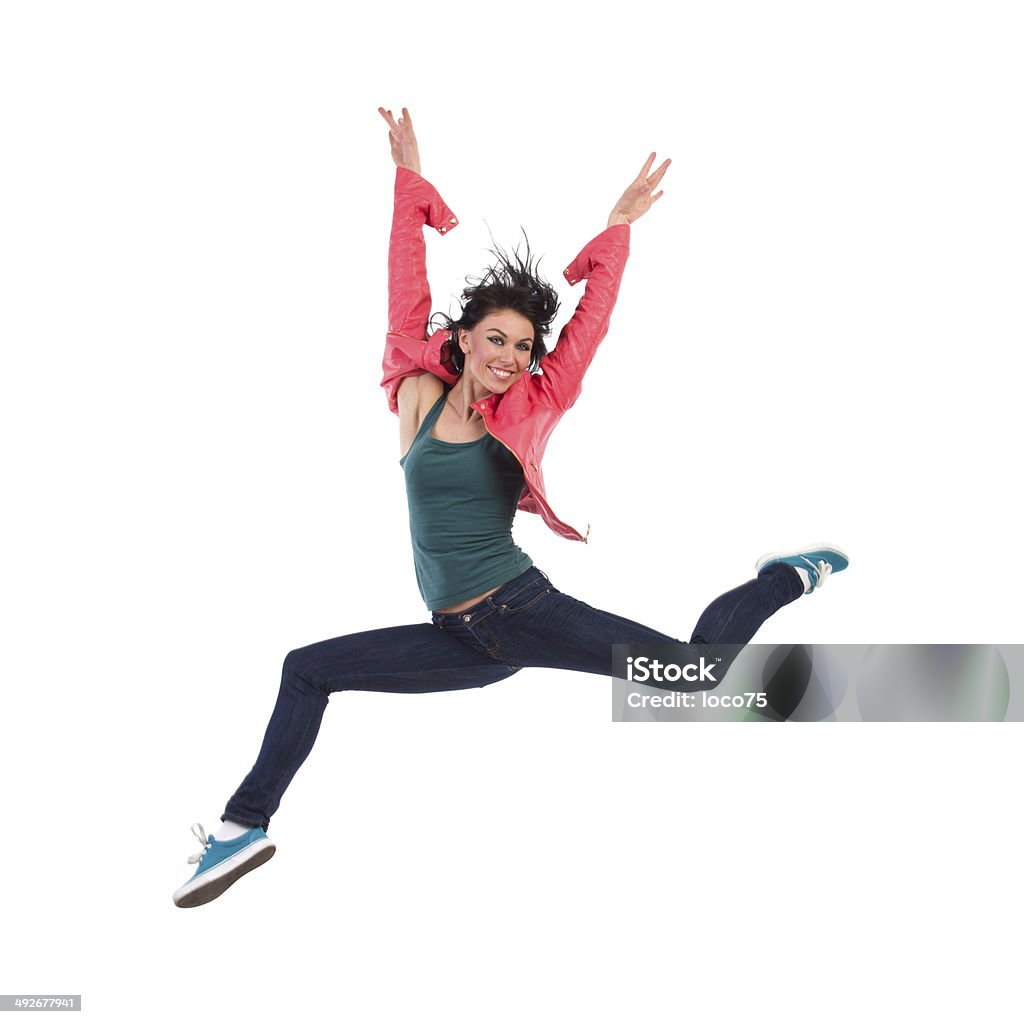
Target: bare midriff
[(463, 605)]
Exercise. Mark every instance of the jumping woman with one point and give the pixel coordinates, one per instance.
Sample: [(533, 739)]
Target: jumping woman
[(474, 418)]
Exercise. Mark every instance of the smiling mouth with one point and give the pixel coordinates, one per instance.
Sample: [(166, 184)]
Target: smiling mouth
[(500, 374)]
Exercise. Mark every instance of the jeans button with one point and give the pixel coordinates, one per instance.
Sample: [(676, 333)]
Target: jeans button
[(466, 618)]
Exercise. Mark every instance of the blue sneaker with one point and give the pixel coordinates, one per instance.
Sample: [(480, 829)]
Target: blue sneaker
[(221, 864), (819, 561)]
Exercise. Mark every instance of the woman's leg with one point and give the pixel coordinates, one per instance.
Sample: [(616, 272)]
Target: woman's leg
[(516, 627), (531, 623), (736, 616), (402, 659)]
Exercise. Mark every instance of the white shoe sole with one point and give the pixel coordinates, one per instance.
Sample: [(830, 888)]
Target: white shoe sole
[(210, 884)]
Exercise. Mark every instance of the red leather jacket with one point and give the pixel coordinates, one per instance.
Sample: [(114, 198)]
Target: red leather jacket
[(523, 417)]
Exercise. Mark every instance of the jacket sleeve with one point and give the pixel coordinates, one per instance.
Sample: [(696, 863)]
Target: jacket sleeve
[(600, 264), (417, 202)]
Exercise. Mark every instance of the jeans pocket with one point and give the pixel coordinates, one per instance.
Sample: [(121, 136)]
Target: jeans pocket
[(525, 601)]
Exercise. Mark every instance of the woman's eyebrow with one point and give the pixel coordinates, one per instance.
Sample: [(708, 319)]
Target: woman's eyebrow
[(504, 335)]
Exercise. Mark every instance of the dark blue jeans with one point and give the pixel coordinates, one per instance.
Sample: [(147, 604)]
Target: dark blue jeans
[(525, 623)]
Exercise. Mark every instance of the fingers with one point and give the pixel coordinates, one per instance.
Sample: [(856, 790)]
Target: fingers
[(659, 174), (645, 183), (401, 126), (646, 169), (406, 123)]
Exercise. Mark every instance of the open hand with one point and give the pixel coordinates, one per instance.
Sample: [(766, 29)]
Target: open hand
[(640, 196), (404, 150)]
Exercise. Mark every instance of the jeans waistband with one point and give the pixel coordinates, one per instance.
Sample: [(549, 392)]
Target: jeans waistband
[(505, 593)]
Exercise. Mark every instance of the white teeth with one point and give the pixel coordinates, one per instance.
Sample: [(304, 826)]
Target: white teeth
[(500, 373)]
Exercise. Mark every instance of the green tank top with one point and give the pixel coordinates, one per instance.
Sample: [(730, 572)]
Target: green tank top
[(462, 500)]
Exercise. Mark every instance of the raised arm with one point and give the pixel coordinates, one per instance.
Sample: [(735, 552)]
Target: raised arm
[(601, 264), (417, 203)]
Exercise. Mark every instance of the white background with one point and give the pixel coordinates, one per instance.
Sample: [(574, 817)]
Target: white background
[(816, 339)]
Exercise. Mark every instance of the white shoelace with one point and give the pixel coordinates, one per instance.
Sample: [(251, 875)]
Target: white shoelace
[(822, 571), (200, 833)]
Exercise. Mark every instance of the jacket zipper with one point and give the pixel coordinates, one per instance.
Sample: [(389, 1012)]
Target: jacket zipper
[(582, 537)]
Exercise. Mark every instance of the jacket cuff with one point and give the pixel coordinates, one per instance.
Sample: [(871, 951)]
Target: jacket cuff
[(614, 238), (410, 184)]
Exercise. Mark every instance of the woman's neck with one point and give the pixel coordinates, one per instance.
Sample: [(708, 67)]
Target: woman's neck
[(463, 394)]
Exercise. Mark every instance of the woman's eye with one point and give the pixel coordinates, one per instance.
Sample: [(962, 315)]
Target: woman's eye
[(497, 341), (523, 347)]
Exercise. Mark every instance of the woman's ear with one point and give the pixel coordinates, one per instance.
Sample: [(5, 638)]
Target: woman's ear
[(463, 341)]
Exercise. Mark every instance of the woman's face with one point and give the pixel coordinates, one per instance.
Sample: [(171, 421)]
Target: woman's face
[(498, 350)]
